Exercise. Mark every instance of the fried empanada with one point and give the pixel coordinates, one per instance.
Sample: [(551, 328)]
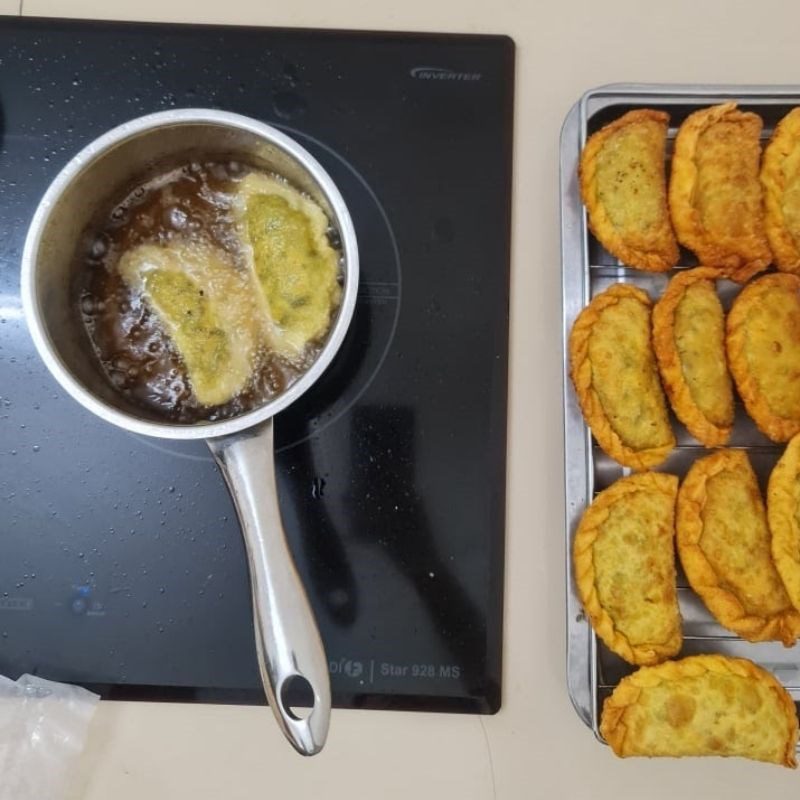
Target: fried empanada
[(689, 342), (707, 705), (615, 376), (624, 559), (715, 195), (206, 308), (780, 177), (783, 513), (624, 188), (296, 270), (763, 343), (724, 546)]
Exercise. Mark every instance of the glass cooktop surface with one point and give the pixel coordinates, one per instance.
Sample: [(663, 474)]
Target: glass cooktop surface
[(121, 562)]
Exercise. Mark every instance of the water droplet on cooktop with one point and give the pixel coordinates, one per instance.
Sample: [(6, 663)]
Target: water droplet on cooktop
[(288, 104), (36, 448)]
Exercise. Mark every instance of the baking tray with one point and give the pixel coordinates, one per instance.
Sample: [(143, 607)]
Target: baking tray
[(592, 670)]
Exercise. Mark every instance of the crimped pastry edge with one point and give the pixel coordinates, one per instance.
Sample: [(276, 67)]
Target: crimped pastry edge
[(685, 218), (669, 364), (779, 429), (600, 225), (782, 519), (581, 375), (585, 576), (785, 136), (626, 694), (723, 604)]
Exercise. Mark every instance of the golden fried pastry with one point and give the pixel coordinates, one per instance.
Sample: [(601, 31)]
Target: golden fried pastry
[(763, 343), (783, 513), (295, 268), (206, 309), (689, 342), (614, 373), (624, 559), (624, 188), (715, 193), (780, 177), (724, 546), (709, 705)]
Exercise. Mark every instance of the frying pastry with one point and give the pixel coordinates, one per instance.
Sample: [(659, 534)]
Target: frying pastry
[(624, 188), (780, 177), (707, 705), (763, 343), (715, 193), (783, 513), (295, 268), (689, 342), (205, 307), (724, 546), (614, 373), (624, 558)]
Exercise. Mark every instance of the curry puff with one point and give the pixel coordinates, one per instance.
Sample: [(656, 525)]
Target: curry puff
[(715, 195), (295, 268), (707, 705), (624, 561), (763, 343), (780, 177), (623, 184), (689, 342), (615, 376), (724, 546), (783, 513), (205, 306)]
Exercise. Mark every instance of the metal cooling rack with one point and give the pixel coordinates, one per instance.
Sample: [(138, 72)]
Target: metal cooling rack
[(592, 670)]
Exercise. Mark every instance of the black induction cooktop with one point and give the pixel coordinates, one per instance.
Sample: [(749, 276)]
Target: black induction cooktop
[(121, 563)]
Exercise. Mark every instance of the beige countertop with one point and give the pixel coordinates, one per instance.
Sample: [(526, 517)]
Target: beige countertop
[(536, 746)]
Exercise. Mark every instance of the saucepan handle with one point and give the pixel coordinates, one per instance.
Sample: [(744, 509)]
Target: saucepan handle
[(287, 640)]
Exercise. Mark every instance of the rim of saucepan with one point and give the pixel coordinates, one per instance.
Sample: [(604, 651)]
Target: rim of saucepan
[(96, 149)]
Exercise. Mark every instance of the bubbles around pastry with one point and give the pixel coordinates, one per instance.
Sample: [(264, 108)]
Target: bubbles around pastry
[(208, 289)]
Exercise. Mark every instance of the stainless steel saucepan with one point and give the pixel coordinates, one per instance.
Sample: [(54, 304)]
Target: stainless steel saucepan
[(287, 640)]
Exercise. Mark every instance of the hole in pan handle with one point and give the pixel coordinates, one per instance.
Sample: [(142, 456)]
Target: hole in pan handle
[(288, 643)]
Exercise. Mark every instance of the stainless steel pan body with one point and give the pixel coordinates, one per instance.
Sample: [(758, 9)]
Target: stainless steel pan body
[(287, 640)]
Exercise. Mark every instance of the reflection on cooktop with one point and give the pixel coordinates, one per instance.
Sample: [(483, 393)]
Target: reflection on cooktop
[(407, 537), (121, 562)]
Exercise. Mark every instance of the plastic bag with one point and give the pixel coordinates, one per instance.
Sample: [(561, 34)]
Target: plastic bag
[(43, 727)]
